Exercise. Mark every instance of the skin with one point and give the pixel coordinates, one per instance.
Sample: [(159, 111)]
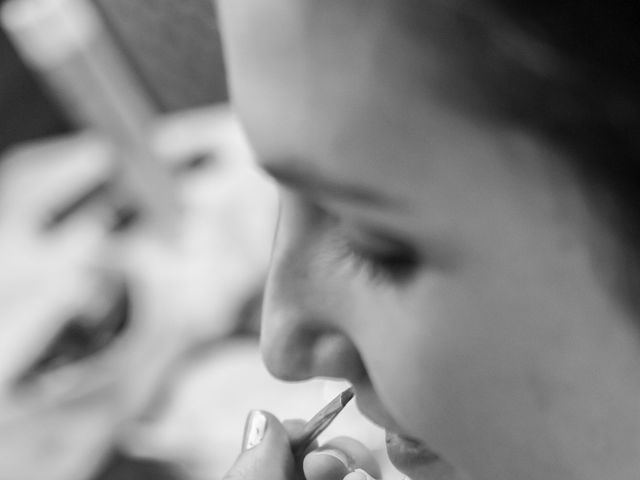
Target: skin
[(62, 421), (67, 419), (498, 345)]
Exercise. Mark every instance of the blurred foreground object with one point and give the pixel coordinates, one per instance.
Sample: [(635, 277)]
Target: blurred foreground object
[(26, 111), (99, 314), (123, 467), (68, 44), (174, 47)]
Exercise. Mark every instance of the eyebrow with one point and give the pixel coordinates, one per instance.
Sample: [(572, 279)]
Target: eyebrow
[(316, 185)]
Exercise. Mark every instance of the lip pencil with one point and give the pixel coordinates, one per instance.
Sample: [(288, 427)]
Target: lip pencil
[(319, 422)]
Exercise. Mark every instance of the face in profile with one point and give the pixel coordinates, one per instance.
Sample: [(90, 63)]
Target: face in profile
[(440, 263)]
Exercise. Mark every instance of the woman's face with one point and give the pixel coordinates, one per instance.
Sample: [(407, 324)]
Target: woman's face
[(439, 263)]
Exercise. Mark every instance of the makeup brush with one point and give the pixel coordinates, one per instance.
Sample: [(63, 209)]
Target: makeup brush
[(319, 423)]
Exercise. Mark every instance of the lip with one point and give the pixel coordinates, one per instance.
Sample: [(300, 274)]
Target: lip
[(405, 452), (371, 408)]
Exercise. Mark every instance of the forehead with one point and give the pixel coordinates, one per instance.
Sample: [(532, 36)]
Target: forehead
[(286, 49), (313, 76), (337, 85)]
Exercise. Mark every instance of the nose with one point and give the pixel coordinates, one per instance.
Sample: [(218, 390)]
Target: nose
[(303, 332)]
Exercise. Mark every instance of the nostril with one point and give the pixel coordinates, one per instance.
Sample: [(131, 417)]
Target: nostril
[(287, 356), (336, 356), (306, 352)]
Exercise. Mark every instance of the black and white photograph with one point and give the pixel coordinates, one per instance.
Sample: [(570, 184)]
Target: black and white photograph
[(319, 240)]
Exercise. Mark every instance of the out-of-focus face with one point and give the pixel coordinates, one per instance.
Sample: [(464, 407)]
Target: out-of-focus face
[(439, 263), (96, 314), (73, 339), (64, 314)]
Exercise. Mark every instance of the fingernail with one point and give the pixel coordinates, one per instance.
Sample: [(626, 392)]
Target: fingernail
[(254, 429), (339, 455)]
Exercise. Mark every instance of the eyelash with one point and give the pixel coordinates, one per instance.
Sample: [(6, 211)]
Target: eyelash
[(393, 263), (395, 266)]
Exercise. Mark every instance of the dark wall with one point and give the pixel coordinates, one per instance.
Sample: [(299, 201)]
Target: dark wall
[(172, 45), (26, 112)]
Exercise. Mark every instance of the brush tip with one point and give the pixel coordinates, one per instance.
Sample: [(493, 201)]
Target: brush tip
[(347, 395)]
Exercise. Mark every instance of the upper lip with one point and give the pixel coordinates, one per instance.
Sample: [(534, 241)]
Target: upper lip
[(372, 408)]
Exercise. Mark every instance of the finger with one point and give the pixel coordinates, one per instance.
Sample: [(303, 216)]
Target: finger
[(337, 458), (359, 474), (266, 452), (327, 463), (294, 429), (293, 426), (359, 454)]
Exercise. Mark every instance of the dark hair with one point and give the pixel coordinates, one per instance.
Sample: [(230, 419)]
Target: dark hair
[(565, 70)]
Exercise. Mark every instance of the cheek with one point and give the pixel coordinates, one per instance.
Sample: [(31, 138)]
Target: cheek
[(447, 374), (492, 367), (439, 339)]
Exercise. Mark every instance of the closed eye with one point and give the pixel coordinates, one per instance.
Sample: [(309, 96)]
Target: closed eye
[(395, 266)]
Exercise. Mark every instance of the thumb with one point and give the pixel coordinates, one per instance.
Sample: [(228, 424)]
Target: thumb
[(340, 458), (266, 451)]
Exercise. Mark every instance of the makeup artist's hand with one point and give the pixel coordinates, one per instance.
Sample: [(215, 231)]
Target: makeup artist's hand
[(266, 453)]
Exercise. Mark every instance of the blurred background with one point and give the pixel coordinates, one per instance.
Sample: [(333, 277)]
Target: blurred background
[(134, 241)]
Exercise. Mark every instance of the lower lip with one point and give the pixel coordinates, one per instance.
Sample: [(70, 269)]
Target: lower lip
[(407, 454)]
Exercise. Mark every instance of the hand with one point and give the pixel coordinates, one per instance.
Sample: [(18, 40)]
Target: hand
[(266, 453)]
